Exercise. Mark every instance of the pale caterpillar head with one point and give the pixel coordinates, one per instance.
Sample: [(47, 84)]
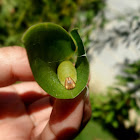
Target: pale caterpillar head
[(69, 83)]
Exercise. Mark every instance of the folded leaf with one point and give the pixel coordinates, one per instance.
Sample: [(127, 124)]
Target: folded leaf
[(48, 45)]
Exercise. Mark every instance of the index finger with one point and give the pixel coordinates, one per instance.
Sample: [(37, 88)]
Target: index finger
[(14, 66)]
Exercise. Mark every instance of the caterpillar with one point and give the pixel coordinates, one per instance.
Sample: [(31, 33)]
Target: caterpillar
[(67, 74)]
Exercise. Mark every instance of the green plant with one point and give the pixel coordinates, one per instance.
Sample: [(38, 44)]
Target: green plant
[(112, 109), (16, 16), (48, 45)]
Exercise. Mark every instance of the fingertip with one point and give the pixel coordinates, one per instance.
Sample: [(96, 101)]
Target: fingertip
[(66, 118), (14, 66)]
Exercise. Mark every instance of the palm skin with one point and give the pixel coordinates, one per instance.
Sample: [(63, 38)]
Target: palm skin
[(29, 113)]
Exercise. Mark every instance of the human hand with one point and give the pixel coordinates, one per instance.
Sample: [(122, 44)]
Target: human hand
[(29, 113)]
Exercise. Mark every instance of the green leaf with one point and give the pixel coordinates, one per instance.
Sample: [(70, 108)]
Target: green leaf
[(96, 114), (115, 124), (109, 117), (120, 104), (47, 45)]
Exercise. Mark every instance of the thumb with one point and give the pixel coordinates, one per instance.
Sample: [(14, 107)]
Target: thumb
[(66, 118)]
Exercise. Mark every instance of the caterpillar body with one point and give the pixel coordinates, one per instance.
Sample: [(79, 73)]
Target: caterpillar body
[(67, 74)]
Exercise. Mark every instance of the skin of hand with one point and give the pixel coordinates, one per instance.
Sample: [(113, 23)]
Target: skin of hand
[(29, 113)]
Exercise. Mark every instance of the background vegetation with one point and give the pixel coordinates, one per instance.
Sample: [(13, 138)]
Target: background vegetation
[(110, 117), (16, 16)]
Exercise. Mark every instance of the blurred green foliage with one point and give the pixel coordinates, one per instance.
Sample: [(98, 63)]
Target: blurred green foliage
[(16, 16), (131, 75), (111, 110)]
